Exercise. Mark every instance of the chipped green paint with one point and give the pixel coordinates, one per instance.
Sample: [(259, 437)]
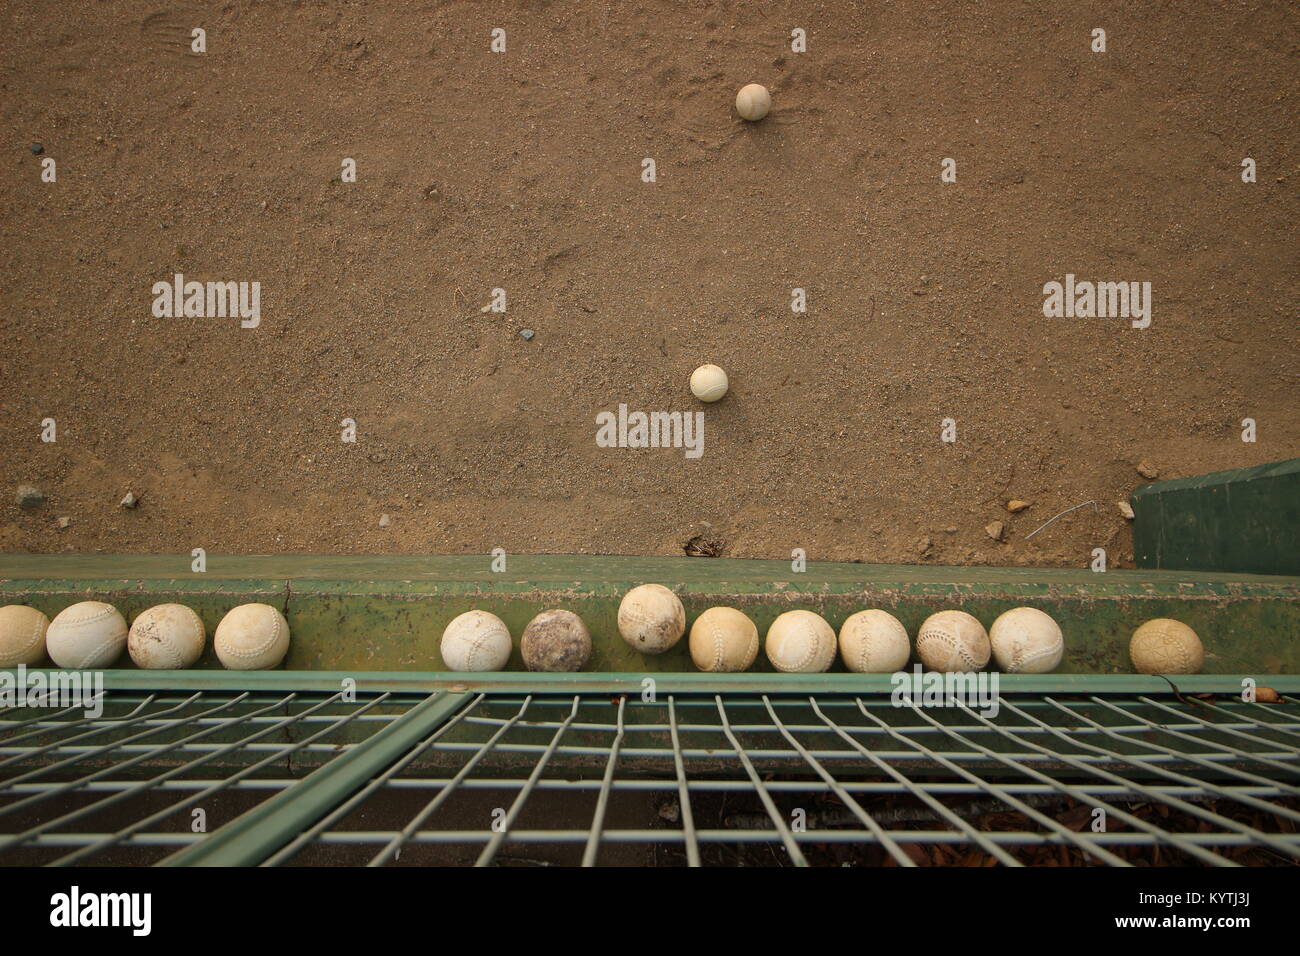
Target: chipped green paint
[(387, 613)]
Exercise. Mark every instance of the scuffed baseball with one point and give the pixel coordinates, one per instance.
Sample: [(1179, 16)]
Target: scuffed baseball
[(1026, 641), (753, 101), (953, 641), (22, 635), (251, 637), (723, 640), (1166, 646), (709, 383), (801, 642), (556, 641), (651, 618), (476, 641), (874, 642), (166, 637), (90, 634)]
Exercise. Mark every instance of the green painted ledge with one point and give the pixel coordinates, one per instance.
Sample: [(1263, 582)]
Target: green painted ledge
[(387, 613)]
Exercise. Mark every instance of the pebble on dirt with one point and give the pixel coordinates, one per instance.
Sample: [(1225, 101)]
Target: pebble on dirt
[(527, 334), (994, 530), (36, 149), (1015, 505), (1125, 509), (64, 522), (385, 521), (1148, 470), (29, 497), (130, 501)]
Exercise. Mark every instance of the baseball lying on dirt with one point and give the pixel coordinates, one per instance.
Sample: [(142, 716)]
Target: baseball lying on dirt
[(723, 640), (22, 635), (166, 637), (556, 641), (1166, 646), (753, 101), (476, 641), (651, 618), (801, 642), (953, 641), (91, 634), (874, 642), (708, 383), (251, 637), (1026, 641)]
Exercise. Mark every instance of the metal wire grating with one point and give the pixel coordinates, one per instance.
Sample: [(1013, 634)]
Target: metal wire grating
[(509, 778)]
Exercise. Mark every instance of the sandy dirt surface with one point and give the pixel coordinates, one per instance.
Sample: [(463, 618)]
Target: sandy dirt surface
[(523, 171)]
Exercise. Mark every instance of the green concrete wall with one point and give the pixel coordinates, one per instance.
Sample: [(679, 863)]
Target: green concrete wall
[(1246, 520), (388, 613)]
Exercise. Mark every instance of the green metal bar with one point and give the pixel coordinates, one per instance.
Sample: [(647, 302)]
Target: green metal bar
[(683, 790), (413, 825), (426, 682), (606, 785), (267, 827)]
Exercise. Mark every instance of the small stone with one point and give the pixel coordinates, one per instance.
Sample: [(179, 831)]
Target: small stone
[(924, 545), (951, 529), (36, 149), (670, 812), (29, 497), (994, 530), (385, 521), (1015, 505), (64, 522), (1148, 470), (1125, 509), (526, 334), (130, 501)]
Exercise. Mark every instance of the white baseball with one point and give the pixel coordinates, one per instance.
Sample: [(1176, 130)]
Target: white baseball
[(723, 640), (22, 635), (709, 383), (476, 641), (953, 641), (1165, 646), (251, 637), (1026, 641), (166, 637), (801, 642), (753, 101), (651, 618), (91, 634), (874, 642)]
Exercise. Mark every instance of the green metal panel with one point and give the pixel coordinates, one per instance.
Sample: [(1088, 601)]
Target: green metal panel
[(1247, 520), (388, 613), (269, 826)]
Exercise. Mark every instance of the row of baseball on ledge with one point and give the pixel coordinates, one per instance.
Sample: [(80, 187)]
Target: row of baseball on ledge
[(651, 619)]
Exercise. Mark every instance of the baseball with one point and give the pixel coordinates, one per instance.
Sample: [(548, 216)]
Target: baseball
[(22, 635), (251, 637), (723, 640), (651, 618), (953, 641), (874, 642), (556, 641), (1026, 641), (166, 637), (91, 634), (476, 641), (801, 642), (1166, 646), (708, 383), (753, 101)]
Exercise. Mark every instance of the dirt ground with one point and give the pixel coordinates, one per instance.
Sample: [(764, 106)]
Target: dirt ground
[(523, 171)]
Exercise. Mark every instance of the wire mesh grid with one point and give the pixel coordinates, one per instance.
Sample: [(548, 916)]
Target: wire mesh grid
[(699, 778)]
